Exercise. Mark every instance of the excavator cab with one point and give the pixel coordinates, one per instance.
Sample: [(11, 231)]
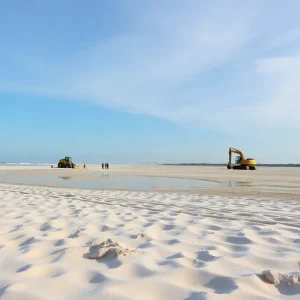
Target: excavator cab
[(237, 159)]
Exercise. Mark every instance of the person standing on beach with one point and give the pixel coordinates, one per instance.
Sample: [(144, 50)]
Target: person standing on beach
[(84, 166), (102, 165), (107, 166)]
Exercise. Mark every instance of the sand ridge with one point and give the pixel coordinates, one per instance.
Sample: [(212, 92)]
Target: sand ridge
[(190, 246)]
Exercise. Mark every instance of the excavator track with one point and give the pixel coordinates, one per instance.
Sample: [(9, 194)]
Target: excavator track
[(241, 167)]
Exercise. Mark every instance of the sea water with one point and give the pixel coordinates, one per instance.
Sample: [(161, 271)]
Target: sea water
[(107, 181)]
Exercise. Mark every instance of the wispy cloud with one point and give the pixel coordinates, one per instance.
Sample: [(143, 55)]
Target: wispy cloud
[(289, 37), (281, 76), (160, 67)]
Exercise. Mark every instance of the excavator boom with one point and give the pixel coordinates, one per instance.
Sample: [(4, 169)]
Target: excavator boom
[(233, 150)]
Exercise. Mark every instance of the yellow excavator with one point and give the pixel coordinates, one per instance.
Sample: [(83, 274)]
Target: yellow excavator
[(242, 163)]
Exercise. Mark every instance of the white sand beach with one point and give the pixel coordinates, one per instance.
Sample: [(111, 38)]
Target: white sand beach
[(206, 244)]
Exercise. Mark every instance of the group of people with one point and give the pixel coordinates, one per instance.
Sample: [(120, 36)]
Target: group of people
[(104, 166)]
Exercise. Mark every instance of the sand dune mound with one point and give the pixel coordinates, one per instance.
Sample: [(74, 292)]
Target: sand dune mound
[(110, 248), (277, 277)]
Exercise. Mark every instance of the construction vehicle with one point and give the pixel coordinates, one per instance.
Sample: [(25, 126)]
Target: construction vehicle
[(66, 163), (241, 162)]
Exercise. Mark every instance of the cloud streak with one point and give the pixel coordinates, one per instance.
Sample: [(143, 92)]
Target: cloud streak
[(193, 63)]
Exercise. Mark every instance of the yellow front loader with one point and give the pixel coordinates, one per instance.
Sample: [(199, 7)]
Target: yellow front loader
[(66, 163)]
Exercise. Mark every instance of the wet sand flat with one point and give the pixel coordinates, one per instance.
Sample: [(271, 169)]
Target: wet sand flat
[(265, 182)]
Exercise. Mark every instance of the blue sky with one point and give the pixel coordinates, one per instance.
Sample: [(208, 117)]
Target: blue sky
[(149, 81)]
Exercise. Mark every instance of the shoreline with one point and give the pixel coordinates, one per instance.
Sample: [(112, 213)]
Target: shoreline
[(271, 183)]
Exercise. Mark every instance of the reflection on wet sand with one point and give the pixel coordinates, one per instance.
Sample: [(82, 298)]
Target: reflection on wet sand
[(235, 183), (66, 177), (104, 176)]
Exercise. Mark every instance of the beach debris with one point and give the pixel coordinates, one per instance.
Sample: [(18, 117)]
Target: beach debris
[(140, 235), (277, 277), (110, 247)]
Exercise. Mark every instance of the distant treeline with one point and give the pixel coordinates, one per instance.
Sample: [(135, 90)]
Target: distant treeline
[(216, 165)]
